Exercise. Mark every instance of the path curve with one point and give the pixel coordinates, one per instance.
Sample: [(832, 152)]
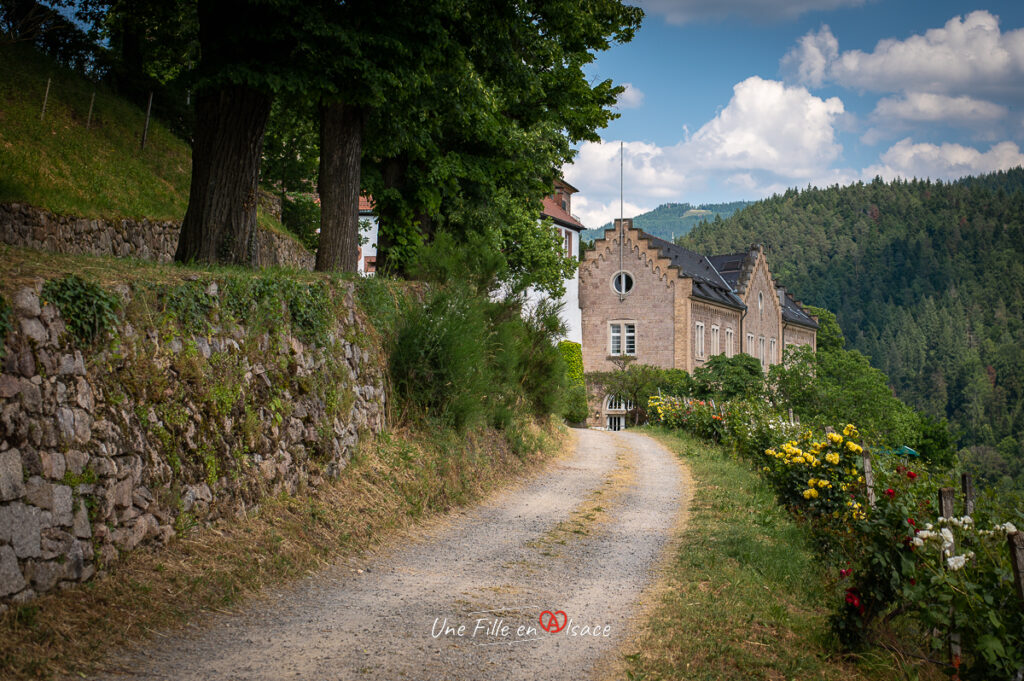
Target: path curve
[(584, 538)]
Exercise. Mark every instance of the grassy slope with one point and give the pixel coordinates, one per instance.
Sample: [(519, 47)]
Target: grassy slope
[(100, 172), (743, 595)]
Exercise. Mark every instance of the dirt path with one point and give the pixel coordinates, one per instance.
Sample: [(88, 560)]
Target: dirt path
[(583, 539)]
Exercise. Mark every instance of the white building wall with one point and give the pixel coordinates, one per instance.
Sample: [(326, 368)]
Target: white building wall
[(571, 313), (367, 230)]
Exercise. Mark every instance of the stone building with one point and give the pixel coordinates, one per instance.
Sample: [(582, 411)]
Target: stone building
[(668, 306)]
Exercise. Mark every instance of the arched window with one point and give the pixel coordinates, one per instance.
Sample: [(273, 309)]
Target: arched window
[(760, 304), (613, 403)]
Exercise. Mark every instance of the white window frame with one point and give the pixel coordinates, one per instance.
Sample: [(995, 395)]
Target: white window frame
[(771, 351), (611, 403), (729, 342), (698, 344), (760, 349), (625, 333), (715, 340), (750, 344)]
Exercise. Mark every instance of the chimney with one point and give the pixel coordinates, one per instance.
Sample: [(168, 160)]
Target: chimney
[(626, 222)]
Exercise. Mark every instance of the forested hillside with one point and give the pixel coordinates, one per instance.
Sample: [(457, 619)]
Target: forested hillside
[(673, 220), (927, 278)]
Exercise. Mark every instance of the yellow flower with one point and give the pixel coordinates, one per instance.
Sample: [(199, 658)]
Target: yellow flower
[(832, 458), (854, 447), (835, 438), (798, 459), (812, 482), (824, 483), (810, 494)]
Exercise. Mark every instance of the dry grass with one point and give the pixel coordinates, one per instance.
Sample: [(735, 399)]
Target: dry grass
[(402, 477)]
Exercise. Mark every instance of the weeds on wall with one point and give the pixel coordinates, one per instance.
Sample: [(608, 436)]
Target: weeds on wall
[(5, 323), (87, 309)]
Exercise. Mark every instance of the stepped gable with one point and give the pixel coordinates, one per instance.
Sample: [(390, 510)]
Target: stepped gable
[(792, 310), (708, 283)]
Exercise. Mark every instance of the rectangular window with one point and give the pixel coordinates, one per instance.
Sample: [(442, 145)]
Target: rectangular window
[(622, 339), (728, 343), (771, 352), (760, 349), (698, 345), (568, 242), (715, 349), (616, 344), (630, 339), (750, 344)]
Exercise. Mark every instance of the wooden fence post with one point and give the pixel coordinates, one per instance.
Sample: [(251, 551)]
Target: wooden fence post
[(946, 499), (88, 121), (1016, 542), (145, 130), (790, 417), (967, 483), (946, 496), (46, 98), (869, 475)]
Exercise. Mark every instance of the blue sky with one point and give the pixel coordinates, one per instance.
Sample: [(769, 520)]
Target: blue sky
[(739, 99)]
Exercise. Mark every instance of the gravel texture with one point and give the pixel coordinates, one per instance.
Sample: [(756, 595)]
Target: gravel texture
[(585, 537)]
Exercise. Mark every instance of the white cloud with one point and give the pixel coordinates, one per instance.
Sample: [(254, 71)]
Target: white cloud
[(969, 55), (920, 107), (687, 11), (767, 136), (768, 125), (943, 161), (631, 98), (809, 60), (594, 213)]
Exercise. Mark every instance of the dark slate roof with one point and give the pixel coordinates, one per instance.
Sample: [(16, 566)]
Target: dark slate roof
[(791, 312), (707, 282), (729, 267)]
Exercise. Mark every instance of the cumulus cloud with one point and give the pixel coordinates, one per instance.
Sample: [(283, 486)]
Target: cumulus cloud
[(969, 55), (631, 98), (808, 62), (943, 161), (689, 11), (768, 135), (594, 213), (768, 125), (927, 106)]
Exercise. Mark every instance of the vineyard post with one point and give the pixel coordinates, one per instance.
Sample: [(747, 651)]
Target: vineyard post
[(46, 98), (1016, 542), (946, 499), (88, 121), (145, 130), (869, 475), (967, 483)]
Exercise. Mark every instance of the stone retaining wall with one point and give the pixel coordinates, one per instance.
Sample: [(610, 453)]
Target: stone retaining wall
[(84, 474), (31, 227)]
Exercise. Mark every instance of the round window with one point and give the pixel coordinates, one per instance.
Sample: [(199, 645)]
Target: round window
[(622, 282)]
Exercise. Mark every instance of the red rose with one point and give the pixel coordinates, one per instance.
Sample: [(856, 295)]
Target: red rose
[(911, 474), (891, 493), (911, 521)]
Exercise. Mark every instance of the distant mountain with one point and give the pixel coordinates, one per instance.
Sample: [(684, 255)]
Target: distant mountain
[(672, 220), (927, 279)]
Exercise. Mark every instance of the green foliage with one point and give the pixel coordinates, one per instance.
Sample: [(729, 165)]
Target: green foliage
[(466, 357), (924, 277), (300, 214), (830, 336), (726, 378), (576, 409), (87, 310)]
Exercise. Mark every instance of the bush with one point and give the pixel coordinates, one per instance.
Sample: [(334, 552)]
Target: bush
[(87, 310), (576, 408), (727, 378), (300, 214)]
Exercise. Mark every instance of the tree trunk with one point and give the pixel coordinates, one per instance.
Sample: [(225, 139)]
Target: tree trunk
[(220, 222), (341, 145)]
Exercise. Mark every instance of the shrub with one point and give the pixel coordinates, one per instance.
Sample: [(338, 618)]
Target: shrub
[(727, 378), (300, 214), (87, 309), (576, 408)]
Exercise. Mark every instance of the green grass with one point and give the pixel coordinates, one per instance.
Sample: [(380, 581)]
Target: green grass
[(744, 595), (59, 165)]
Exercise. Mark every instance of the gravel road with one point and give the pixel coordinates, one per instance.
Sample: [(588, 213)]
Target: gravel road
[(463, 599)]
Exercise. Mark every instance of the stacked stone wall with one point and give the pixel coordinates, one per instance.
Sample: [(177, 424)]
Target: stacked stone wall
[(31, 227), (90, 469)]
